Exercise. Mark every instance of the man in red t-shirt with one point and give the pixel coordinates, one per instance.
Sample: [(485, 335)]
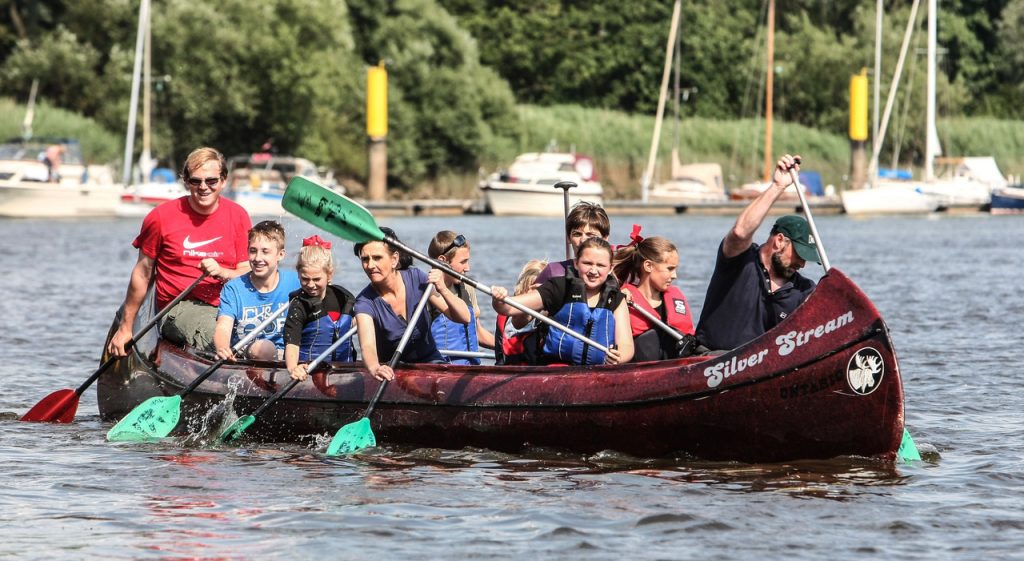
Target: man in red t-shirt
[(179, 240)]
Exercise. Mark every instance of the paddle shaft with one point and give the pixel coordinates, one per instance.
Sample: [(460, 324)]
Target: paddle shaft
[(810, 220), (657, 322), (487, 290), (145, 329), (309, 369), (238, 346), (401, 346), (565, 186), (466, 354)]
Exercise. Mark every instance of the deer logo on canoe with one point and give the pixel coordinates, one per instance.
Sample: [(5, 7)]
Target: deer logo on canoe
[(865, 370)]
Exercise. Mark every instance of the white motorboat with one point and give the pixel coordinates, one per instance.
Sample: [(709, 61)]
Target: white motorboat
[(528, 187), (28, 190), (257, 181)]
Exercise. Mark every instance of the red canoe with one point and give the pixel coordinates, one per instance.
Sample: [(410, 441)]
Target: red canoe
[(823, 383)]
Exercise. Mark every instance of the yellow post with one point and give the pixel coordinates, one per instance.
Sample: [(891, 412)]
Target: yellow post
[(859, 106), (858, 128), (377, 130)]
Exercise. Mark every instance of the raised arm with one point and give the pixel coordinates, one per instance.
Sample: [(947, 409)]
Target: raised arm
[(741, 235)]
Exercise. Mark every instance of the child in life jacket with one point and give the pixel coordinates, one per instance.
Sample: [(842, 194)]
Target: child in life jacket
[(511, 343), (321, 312), (647, 267), (453, 250), (588, 301)]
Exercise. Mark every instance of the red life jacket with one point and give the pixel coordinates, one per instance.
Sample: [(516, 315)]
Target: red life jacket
[(677, 311), (521, 348)]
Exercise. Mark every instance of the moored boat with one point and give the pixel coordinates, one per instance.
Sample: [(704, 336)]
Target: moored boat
[(527, 188), (27, 189), (823, 383), (1008, 200), (140, 198), (889, 197), (257, 181), (691, 183)]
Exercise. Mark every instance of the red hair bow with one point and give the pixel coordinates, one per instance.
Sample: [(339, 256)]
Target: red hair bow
[(316, 240), (635, 235)]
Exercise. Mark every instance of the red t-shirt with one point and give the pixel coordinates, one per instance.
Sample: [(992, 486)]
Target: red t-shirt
[(177, 238)]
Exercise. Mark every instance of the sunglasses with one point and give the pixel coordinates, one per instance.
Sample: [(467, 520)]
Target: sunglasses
[(459, 241), (197, 181)]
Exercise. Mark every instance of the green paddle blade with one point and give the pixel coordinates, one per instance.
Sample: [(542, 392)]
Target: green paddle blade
[(237, 428), (352, 437), (908, 450), (330, 211), (155, 418)]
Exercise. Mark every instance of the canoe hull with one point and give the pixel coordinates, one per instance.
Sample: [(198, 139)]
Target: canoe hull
[(823, 383)]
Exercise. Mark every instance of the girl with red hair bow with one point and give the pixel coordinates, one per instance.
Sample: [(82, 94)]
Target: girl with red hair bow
[(646, 268), (321, 311)]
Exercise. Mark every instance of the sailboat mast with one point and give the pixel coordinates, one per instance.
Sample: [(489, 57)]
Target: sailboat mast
[(145, 159), (931, 140), (876, 141), (133, 104), (768, 94), (891, 98), (675, 102), (645, 182), (30, 111)]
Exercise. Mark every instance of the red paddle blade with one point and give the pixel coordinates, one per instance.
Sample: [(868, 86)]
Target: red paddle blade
[(58, 407)]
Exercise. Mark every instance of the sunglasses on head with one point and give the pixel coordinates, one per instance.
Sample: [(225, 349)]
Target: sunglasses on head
[(197, 181), (459, 241)]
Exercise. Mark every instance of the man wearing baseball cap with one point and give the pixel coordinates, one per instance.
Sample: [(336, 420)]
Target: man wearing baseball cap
[(754, 287)]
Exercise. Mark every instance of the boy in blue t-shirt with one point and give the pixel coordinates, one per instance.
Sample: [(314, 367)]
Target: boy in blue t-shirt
[(247, 300)]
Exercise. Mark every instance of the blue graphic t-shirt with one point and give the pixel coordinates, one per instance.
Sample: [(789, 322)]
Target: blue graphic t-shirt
[(241, 301)]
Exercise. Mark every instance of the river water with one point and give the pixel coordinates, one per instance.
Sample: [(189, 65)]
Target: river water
[(948, 286)]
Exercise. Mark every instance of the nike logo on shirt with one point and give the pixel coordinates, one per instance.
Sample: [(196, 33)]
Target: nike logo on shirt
[(192, 245)]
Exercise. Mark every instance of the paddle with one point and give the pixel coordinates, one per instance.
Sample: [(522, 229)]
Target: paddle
[(158, 416), (238, 427), (810, 219), (61, 405), (908, 450), (683, 349), (657, 322), (565, 186), (466, 354), (358, 435), (348, 219)]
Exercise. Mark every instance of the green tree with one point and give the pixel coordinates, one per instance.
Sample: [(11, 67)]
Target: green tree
[(446, 110)]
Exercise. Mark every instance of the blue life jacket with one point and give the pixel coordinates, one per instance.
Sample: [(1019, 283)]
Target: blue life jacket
[(321, 333), (453, 336), (596, 323)]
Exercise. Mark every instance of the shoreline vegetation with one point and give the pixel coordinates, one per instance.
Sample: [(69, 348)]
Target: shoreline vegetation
[(617, 141), (472, 84)]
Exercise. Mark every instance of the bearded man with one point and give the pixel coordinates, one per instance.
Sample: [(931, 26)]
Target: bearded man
[(753, 287)]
